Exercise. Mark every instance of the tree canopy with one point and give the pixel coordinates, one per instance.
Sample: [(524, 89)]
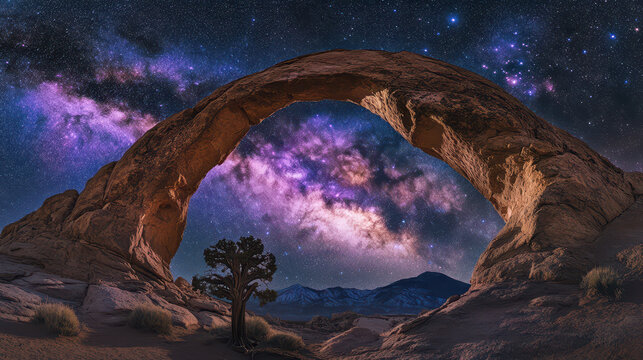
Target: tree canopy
[(237, 269)]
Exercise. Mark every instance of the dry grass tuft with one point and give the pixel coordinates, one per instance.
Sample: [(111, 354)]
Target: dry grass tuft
[(150, 317), (603, 281), (221, 331), (58, 318), (257, 328), (285, 341)]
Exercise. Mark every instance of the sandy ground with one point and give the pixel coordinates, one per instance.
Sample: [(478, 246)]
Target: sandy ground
[(29, 341), (377, 325)]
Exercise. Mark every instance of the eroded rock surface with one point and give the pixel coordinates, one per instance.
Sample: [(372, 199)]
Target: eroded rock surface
[(24, 287), (532, 320), (16, 303), (554, 193), (348, 341), (517, 320)]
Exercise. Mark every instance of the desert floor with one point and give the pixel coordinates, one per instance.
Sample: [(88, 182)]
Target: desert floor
[(20, 340), (31, 341)]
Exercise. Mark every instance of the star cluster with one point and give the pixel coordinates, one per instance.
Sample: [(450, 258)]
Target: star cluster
[(333, 191)]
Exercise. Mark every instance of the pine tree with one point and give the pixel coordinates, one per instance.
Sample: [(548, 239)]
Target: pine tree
[(237, 270)]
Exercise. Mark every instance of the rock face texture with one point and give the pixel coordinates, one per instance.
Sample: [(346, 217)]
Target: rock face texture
[(23, 288), (515, 320), (533, 320), (554, 193)]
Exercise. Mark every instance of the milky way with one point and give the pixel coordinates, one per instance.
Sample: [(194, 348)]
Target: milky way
[(336, 194)]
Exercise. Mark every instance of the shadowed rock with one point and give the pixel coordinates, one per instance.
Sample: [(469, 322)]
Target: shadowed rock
[(554, 193)]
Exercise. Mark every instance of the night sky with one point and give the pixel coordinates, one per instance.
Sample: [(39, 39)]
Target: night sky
[(334, 192)]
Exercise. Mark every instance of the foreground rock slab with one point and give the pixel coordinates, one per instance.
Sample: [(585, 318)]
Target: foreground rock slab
[(533, 320), (515, 320), (101, 303)]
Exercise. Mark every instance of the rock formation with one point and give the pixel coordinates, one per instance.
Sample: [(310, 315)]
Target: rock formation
[(24, 287), (554, 193), (108, 248)]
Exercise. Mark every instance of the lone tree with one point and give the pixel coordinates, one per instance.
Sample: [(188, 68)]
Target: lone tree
[(237, 269)]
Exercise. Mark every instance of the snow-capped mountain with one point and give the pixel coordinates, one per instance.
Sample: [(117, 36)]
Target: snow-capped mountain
[(407, 296)]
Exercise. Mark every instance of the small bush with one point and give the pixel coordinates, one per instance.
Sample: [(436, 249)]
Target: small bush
[(58, 318), (257, 328), (351, 315), (221, 331), (152, 318), (284, 340), (603, 281)]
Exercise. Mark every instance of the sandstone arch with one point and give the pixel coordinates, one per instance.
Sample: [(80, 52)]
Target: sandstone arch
[(552, 190)]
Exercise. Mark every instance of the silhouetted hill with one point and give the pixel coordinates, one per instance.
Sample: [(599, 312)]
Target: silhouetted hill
[(407, 296)]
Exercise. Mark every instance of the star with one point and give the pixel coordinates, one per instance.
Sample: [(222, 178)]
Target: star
[(330, 178)]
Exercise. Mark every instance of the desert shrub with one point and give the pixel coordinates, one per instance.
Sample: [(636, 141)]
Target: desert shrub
[(58, 318), (257, 328), (344, 321), (284, 340), (319, 322), (150, 317), (221, 331), (351, 315), (603, 281)]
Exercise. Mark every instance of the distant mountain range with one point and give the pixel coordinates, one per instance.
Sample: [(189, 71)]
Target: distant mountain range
[(407, 296)]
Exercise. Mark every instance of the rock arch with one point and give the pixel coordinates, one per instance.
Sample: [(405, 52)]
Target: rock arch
[(552, 190)]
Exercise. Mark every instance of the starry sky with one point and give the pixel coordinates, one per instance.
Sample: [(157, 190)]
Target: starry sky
[(334, 192)]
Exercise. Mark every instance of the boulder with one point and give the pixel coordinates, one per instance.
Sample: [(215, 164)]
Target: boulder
[(344, 343), (210, 320), (54, 286), (209, 304), (16, 303), (180, 315), (182, 283), (11, 270), (111, 305)]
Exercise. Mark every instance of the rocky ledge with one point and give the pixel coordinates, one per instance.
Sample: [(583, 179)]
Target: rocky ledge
[(526, 319), (24, 287)]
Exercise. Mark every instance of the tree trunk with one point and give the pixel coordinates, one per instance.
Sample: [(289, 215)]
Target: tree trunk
[(242, 326), (239, 336)]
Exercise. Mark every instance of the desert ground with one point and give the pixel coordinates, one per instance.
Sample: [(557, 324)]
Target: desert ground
[(26, 340)]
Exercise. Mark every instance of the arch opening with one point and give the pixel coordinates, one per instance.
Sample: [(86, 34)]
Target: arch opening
[(341, 200), (553, 192)]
